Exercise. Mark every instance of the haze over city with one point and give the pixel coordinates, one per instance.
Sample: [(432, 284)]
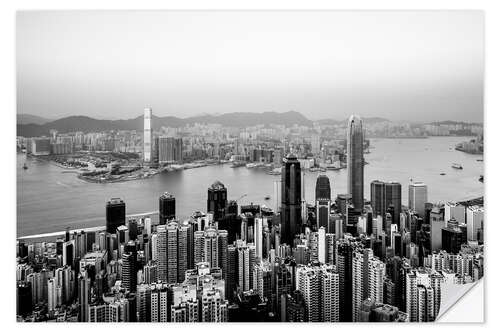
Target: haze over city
[(407, 66)]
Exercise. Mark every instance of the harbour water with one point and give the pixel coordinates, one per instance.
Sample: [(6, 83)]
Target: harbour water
[(50, 200)]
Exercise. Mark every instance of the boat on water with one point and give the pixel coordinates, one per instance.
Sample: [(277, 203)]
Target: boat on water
[(457, 166), (237, 164), (442, 174), (25, 167), (267, 197), (481, 179), (479, 160)]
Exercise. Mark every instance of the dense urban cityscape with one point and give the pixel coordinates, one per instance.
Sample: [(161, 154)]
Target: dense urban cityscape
[(340, 259)]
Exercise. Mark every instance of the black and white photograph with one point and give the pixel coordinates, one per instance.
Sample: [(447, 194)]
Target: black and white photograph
[(185, 166)]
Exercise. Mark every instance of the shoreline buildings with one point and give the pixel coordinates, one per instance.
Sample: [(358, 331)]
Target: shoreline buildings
[(148, 135)]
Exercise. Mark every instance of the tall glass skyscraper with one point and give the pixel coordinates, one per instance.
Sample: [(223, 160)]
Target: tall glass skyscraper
[(217, 200), (355, 161), (290, 199), (148, 137), (115, 214), (383, 195), (167, 207), (323, 201)]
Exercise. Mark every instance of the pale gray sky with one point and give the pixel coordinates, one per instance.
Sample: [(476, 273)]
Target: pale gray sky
[(403, 65)]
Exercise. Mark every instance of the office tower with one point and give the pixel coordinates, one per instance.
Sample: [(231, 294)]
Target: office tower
[(344, 255), (23, 298), (437, 223), (277, 194), (475, 217), (232, 271), (160, 255), (148, 135), (115, 214), (453, 237), (83, 296), (322, 254), (417, 197), (217, 200), (290, 199), (258, 235), (323, 201), (132, 229), (167, 207), (172, 252), (453, 210), (355, 161), (129, 267), (52, 295), (384, 195), (68, 252)]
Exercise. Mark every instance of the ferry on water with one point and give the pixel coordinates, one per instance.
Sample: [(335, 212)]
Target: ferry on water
[(456, 166)]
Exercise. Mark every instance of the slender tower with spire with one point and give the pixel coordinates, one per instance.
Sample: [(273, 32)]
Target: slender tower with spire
[(355, 161)]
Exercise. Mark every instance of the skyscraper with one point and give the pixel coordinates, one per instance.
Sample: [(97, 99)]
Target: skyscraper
[(160, 252), (417, 197), (129, 269), (258, 234), (148, 136), (290, 199), (384, 195), (172, 252), (323, 201), (167, 207), (217, 199), (115, 214), (355, 162)]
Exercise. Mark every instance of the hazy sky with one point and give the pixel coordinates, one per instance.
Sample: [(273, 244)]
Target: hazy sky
[(416, 66)]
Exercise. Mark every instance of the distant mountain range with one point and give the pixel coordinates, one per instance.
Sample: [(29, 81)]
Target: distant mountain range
[(24, 118), (30, 125)]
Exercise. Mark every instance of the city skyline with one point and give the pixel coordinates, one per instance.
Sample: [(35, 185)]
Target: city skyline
[(337, 56), (356, 207)]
